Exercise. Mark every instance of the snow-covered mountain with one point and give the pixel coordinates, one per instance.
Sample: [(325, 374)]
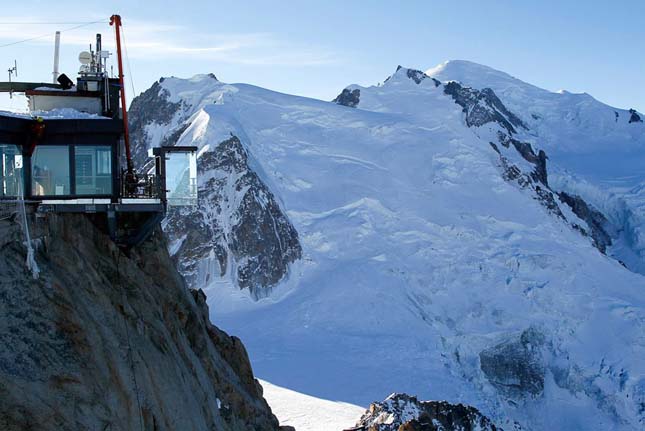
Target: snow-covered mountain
[(463, 236), (596, 151)]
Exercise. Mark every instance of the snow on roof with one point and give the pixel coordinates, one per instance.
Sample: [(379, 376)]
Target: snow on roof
[(45, 88), (55, 114)]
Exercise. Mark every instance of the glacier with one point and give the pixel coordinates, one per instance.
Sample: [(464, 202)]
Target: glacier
[(424, 266)]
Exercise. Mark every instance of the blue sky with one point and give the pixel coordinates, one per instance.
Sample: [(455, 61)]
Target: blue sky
[(315, 48)]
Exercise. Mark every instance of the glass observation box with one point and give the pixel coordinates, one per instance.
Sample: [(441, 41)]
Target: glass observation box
[(177, 168)]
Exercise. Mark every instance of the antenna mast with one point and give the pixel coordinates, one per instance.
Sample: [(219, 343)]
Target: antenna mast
[(56, 57), (115, 20), (12, 71)]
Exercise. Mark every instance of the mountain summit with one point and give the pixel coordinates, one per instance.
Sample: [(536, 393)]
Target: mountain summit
[(455, 234)]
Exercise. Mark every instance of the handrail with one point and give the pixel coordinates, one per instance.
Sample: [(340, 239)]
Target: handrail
[(147, 186)]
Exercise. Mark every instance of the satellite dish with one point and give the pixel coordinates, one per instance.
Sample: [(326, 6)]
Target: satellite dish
[(85, 57)]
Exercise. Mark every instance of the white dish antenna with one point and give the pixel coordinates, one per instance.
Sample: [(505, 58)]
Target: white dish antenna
[(85, 57)]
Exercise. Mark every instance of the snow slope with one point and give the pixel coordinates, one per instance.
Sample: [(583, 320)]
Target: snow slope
[(594, 150), (307, 413), (421, 262)]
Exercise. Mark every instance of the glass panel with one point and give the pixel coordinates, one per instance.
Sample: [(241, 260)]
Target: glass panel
[(181, 179), (93, 170), (10, 171), (50, 171)]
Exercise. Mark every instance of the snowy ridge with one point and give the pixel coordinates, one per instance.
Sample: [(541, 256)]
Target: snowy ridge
[(424, 268), (595, 150)]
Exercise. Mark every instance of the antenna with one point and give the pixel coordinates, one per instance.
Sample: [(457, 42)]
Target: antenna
[(85, 58), (56, 57), (12, 71)]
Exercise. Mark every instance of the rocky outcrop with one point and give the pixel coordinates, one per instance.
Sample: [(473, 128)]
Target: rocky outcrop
[(516, 367), (418, 76), (634, 117), (348, 97), (596, 221), (238, 222), (415, 75), (402, 412), (105, 340), (238, 230), (525, 149), (534, 181), (483, 107), (150, 107)]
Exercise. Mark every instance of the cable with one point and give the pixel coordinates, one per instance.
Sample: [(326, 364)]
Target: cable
[(127, 62), (50, 33), (42, 22)]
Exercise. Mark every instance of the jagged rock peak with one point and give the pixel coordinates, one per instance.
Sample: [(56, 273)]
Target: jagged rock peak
[(415, 75), (402, 412)]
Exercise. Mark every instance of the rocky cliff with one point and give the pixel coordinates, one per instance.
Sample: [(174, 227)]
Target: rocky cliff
[(402, 412), (237, 223), (238, 233), (107, 340)]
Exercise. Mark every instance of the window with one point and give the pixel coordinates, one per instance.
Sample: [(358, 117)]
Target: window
[(181, 178), (93, 170), (50, 171), (10, 171)]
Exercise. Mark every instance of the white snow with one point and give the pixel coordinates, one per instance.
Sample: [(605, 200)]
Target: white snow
[(307, 413), (417, 255), (593, 149), (54, 114)]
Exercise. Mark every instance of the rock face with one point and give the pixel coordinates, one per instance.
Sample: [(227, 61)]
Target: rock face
[(539, 173), (515, 367), (238, 223), (348, 98), (482, 107), (417, 76), (597, 222), (634, 117), (110, 341), (238, 232), (150, 107), (402, 412)]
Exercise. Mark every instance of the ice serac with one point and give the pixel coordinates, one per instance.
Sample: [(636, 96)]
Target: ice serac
[(402, 412), (238, 234), (112, 340)]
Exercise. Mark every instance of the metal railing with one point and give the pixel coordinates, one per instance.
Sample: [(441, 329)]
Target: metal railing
[(143, 186)]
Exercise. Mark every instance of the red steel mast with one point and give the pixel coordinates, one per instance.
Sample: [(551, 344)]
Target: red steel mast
[(115, 20)]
